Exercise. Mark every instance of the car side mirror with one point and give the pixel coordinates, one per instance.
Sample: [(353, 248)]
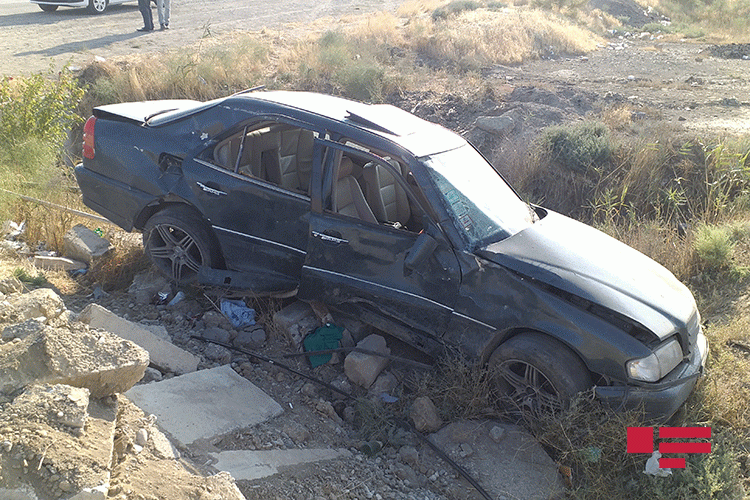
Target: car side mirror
[(420, 252)]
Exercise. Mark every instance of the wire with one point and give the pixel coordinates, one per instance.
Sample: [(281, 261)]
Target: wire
[(402, 423)]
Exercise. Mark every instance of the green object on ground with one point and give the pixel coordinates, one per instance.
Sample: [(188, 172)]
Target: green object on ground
[(323, 338)]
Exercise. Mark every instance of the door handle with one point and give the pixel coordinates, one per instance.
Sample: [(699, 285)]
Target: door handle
[(330, 236), (210, 190)]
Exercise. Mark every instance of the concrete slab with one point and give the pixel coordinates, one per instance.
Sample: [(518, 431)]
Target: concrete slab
[(249, 464), (505, 459), (204, 404), (163, 354)]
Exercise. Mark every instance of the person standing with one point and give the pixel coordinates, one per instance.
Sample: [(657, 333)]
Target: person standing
[(162, 8), (148, 18)]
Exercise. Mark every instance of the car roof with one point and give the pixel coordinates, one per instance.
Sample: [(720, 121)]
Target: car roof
[(419, 136)]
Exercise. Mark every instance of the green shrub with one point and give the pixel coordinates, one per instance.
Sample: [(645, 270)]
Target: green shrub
[(577, 147), (714, 246), (38, 106)]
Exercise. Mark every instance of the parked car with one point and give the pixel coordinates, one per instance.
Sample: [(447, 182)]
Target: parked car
[(397, 220), (93, 6)]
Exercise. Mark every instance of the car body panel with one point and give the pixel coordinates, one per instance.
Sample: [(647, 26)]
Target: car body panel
[(75, 3)]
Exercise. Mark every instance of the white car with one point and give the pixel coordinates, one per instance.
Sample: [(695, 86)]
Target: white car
[(93, 6)]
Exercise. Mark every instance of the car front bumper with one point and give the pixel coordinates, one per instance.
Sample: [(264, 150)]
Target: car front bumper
[(659, 401)]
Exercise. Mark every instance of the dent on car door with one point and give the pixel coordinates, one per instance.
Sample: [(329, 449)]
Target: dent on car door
[(253, 187), (373, 246)]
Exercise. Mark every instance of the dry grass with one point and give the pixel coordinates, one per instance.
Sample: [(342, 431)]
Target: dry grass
[(480, 38)]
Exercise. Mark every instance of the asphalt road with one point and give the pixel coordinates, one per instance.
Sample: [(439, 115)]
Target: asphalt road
[(32, 40)]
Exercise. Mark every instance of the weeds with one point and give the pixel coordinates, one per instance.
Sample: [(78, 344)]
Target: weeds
[(25, 277), (38, 107)]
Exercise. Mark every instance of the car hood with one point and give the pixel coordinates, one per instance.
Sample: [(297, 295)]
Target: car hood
[(581, 260)]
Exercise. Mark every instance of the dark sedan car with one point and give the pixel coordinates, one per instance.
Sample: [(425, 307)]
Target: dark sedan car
[(402, 222)]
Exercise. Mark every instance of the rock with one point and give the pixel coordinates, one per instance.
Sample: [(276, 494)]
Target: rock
[(385, 383), (213, 319), (146, 285), (249, 340), (141, 437), (424, 415), (97, 493), (21, 330), (409, 455), (99, 361), (164, 355), (296, 320), (497, 433), (81, 243), (217, 353), (297, 432), (11, 285), (499, 125), (60, 404), (363, 369), (151, 375), (57, 263), (42, 303), (218, 334)]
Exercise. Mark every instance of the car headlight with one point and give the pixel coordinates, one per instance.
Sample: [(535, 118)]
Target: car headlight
[(655, 366)]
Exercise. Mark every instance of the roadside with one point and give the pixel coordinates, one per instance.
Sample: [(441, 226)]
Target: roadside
[(33, 41)]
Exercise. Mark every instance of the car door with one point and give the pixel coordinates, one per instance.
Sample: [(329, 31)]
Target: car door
[(260, 220), (409, 275)]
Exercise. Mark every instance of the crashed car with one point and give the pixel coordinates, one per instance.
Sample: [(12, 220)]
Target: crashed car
[(378, 213)]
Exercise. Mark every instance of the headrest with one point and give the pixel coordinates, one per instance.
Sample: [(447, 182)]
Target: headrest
[(345, 167)]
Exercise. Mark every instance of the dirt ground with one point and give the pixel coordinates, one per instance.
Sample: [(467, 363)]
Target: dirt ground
[(32, 40)]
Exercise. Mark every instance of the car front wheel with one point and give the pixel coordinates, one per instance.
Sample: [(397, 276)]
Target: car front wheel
[(536, 375), (48, 8), (178, 242), (97, 6)]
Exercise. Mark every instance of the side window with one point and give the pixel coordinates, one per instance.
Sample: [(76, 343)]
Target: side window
[(273, 152), (367, 189)]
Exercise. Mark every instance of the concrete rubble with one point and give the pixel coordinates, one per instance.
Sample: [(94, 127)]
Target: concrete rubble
[(76, 355), (66, 430), (205, 403), (507, 459), (164, 355), (76, 424), (82, 244)]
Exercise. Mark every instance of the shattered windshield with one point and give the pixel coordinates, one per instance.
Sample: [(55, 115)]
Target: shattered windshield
[(482, 205)]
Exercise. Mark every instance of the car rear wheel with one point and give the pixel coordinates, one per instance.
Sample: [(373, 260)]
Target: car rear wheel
[(179, 242), (97, 6), (48, 8), (535, 375)]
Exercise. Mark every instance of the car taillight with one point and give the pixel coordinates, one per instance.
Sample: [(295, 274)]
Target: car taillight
[(88, 138)]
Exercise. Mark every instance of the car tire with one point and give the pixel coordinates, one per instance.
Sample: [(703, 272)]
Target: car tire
[(178, 241), (535, 375), (97, 6), (48, 8)]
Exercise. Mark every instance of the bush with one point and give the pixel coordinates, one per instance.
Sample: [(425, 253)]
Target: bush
[(577, 147), (38, 107), (714, 246)]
